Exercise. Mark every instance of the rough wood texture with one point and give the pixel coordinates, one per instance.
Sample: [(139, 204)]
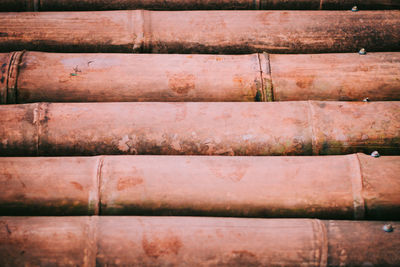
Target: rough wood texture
[(53, 77), (330, 187), (172, 241), (201, 31), (75, 5), (275, 128)]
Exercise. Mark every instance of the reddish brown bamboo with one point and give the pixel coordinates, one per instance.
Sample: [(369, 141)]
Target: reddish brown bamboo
[(201, 31), (172, 241), (330, 187), (74, 5), (134, 77), (276, 128), (36, 77), (336, 77)]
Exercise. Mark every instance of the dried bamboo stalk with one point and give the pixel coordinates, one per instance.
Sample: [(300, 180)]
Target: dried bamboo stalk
[(331, 187), (55, 77), (194, 241), (274, 128), (226, 32)]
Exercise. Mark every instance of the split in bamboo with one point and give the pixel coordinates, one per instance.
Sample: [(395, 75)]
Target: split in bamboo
[(329, 187), (274, 128), (201, 31), (75, 5), (177, 241), (53, 77)]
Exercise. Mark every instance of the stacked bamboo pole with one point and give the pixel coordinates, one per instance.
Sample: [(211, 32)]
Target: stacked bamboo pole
[(231, 32), (159, 241), (341, 187), (241, 129), (51, 77), (73, 5), (265, 178)]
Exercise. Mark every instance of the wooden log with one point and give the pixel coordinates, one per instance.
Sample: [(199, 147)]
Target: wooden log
[(354, 186), (53, 77), (191, 241), (229, 32), (75, 5), (276, 128)]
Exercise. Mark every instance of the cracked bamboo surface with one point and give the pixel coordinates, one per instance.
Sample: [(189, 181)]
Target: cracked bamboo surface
[(228, 32), (354, 186), (172, 241), (274, 128), (55, 77)]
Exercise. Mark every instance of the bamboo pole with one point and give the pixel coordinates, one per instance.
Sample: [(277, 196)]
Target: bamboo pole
[(172, 241), (229, 32), (75, 5), (54, 77), (331, 187), (277, 128)]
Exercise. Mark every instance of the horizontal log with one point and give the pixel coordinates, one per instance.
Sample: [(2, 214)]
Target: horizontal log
[(275, 128), (75, 5), (53, 77), (329, 187), (226, 32), (190, 241)]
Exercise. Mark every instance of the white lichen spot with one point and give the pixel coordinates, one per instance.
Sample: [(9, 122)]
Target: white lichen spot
[(364, 137), (208, 141), (35, 115), (342, 137), (176, 145), (247, 137), (123, 144)]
